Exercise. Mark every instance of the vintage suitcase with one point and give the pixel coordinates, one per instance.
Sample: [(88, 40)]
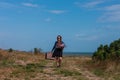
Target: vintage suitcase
[(48, 56)]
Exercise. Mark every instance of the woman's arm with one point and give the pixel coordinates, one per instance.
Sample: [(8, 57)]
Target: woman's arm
[(53, 47), (62, 45)]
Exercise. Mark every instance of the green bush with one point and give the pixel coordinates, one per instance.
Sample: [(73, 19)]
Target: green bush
[(105, 52), (37, 50), (10, 50)]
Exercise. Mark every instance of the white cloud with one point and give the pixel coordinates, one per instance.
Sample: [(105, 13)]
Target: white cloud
[(48, 19), (30, 5), (111, 27), (10, 5), (112, 14), (89, 4), (57, 11), (92, 4), (115, 7), (110, 17), (6, 5), (86, 37)]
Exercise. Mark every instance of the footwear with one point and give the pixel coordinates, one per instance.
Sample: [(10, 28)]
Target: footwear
[(59, 66)]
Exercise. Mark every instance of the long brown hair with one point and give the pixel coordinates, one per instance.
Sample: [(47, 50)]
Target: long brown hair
[(59, 37)]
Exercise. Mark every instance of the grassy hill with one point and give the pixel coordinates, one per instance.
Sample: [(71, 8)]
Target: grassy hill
[(19, 65)]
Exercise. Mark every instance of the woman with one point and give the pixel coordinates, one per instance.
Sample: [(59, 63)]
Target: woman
[(58, 50)]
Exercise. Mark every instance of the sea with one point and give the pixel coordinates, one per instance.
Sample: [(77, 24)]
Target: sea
[(78, 54)]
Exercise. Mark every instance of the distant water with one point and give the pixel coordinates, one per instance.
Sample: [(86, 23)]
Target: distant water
[(77, 54)]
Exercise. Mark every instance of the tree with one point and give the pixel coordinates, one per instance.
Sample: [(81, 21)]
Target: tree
[(10, 50), (37, 50), (105, 52)]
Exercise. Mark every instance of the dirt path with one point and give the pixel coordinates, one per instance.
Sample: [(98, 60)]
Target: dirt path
[(88, 74), (91, 76), (49, 72), (70, 70), (84, 71)]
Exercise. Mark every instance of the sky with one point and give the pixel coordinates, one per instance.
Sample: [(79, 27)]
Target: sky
[(83, 24)]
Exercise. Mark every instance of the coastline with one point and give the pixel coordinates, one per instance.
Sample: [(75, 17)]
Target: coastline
[(79, 54)]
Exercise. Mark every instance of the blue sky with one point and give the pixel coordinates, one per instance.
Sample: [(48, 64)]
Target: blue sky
[(83, 24)]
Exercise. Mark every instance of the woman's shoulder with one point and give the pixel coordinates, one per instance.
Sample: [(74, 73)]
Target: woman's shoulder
[(62, 42), (55, 41)]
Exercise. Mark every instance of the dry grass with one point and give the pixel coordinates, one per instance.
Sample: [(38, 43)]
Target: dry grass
[(17, 65), (20, 65), (107, 70)]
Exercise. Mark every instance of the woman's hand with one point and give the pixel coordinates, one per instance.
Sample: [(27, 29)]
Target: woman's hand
[(60, 46)]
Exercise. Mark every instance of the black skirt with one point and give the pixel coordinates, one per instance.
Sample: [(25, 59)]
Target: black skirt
[(57, 52)]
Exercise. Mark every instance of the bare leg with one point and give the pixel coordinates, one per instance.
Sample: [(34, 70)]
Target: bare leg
[(57, 60), (60, 61)]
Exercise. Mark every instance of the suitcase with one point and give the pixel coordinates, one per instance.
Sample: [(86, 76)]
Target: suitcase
[(48, 56)]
